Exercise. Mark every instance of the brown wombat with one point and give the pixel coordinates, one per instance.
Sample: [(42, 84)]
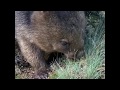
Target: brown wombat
[(40, 33)]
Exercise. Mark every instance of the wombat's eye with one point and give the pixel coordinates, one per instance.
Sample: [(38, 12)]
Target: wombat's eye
[(64, 43)]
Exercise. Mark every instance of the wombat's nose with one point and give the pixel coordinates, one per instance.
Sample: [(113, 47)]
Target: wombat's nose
[(71, 56), (80, 54)]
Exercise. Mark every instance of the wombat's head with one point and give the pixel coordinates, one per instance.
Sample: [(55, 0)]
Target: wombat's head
[(64, 30), (71, 48), (70, 39)]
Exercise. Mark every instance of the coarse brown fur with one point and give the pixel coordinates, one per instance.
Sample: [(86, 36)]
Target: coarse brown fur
[(48, 32)]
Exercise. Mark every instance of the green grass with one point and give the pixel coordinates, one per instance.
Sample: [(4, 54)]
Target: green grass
[(93, 67)]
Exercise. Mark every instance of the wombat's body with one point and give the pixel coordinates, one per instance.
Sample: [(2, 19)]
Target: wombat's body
[(39, 33)]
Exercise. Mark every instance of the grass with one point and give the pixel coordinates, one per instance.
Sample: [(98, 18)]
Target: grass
[(93, 67)]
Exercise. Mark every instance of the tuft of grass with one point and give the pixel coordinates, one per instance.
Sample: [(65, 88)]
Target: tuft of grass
[(70, 70), (93, 67)]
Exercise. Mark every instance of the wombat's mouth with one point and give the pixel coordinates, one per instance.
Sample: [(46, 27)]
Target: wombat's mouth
[(55, 56)]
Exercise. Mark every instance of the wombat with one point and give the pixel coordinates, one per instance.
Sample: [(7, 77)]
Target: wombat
[(40, 33)]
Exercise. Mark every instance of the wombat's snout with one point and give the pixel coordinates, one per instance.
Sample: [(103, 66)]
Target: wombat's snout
[(70, 55), (80, 54), (75, 55)]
